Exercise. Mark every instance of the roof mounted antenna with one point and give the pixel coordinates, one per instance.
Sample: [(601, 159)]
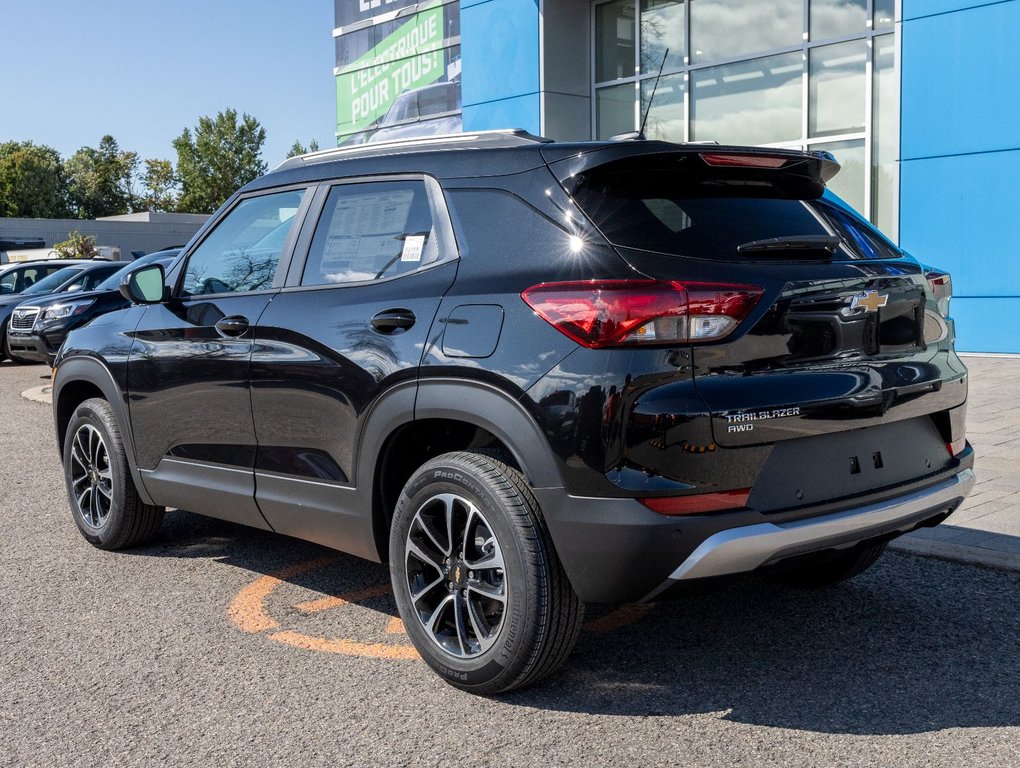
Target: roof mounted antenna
[(648, 108), (639, 135)]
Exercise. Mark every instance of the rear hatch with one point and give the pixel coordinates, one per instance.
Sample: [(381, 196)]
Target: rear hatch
[(846, 333)]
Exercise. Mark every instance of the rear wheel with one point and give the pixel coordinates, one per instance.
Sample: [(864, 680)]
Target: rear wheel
[(477, 582), (104, 502), (826, 570)]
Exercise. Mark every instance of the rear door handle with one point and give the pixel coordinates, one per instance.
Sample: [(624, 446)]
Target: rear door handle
[(235, 325), (393, 320)]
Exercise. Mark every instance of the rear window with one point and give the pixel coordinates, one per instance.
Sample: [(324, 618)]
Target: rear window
[(711, 218)]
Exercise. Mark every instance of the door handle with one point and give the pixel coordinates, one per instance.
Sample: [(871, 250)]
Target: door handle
[(235, 325), (393, 320)]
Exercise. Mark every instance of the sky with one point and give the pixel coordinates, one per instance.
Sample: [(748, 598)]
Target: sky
[(143, 70)]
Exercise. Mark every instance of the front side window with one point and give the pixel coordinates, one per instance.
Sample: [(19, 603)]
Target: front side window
[(91, 279), (372, 231), (242, 253)]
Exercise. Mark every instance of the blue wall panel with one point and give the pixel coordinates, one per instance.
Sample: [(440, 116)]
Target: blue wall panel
[(960, 213), (960, 168), (987, 325), (516, 112), (961, 74), (913, 9), (500, 54)]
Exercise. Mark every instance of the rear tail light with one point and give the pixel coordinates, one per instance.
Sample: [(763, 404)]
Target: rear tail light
[(699, 502), (941, 285), (743, 161), (611, 313)]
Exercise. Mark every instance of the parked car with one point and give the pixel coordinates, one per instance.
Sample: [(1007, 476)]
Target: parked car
[(69, 276), (16, 277), (529, 375), (427, 111), (38, 326)]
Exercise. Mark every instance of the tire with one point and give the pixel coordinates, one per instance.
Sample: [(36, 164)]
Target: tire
[(829, 569), (104, 502), (482, 628)]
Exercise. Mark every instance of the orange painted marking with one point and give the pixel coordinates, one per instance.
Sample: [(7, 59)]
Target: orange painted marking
[(346, 647), (325, 603), (248, 611)]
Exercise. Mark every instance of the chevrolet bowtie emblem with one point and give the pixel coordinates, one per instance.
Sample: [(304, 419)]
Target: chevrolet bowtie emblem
[(869, 301)]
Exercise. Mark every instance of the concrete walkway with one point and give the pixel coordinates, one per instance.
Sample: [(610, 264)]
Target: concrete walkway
[(986, 529)]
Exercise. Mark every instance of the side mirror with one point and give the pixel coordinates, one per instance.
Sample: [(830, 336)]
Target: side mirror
[(144, 286), (74, 288)]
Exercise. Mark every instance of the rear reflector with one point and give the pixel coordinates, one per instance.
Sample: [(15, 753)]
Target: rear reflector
[(612, 313), (956, 447), (744, 161), (701, 502)]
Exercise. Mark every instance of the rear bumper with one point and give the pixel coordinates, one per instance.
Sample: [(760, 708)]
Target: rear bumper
[(749, 547), (617, 550)]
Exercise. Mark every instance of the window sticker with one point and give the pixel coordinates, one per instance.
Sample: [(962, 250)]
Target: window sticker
[(413, 246), (365, 233)]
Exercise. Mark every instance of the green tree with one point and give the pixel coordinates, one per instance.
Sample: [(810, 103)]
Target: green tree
[(221, 155), (160, 186), (99, 180), (300, 149), (77, 246), (32, 181)]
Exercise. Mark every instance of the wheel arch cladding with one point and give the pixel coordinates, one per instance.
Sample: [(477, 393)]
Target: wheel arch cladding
[(79, 379)]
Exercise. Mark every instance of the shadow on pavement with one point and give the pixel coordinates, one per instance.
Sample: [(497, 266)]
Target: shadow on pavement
[(913, 645)]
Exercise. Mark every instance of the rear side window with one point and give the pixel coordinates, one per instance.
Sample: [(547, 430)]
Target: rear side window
[(372, 231), (710, 219), (242, 253)]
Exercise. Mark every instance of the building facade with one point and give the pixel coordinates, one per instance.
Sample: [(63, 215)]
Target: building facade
[(913, 97)]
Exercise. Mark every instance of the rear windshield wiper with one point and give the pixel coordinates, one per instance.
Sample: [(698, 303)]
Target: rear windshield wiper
[(797, 246)]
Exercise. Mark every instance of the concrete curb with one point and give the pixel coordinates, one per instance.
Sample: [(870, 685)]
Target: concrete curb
[(996, 558), (43, 394)]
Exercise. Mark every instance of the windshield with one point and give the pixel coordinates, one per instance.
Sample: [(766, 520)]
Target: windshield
[(112, 283), (47, 284)]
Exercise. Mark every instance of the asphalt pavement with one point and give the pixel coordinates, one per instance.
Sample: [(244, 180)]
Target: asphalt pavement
[(221, 645)]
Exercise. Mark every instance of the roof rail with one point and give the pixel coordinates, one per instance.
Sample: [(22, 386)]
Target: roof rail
[(494, 138)]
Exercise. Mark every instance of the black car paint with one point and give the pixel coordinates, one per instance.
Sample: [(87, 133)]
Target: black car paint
[(290, 426)]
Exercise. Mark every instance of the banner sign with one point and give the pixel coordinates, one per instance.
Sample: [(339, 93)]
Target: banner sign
[(410, 57)]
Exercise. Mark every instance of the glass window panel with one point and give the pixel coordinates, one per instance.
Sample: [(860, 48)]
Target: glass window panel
[(371, 231), (662, 28), (849, 182), (885, 138), (614, 40), (835, 18), (885, 14), (751, 102), (837, 88), (666, 116), (723, 29), (614, 108), (241, 254)]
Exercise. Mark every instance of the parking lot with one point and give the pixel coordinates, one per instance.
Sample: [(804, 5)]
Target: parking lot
[(221, 645)]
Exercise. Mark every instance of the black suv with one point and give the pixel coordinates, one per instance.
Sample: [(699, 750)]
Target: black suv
[(39, 325), (529, 375)]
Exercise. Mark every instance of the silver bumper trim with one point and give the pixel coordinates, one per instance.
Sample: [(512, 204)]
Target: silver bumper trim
[(743, 549)]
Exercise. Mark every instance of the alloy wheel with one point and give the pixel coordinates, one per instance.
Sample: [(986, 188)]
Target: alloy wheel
[(91, 476)]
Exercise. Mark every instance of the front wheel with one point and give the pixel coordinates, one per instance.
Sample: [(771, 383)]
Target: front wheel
[(479, 587), (104, 502)]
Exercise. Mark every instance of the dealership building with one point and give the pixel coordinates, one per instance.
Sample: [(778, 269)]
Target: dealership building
[(915, 98)]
